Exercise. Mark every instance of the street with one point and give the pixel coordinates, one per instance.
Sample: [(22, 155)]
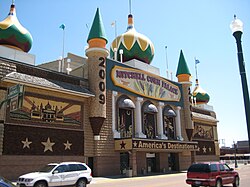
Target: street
[(165, 180)]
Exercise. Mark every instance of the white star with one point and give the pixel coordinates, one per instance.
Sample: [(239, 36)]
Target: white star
[(48, 145), (204, 149), (26, 143), (67, 145), (135, 144)]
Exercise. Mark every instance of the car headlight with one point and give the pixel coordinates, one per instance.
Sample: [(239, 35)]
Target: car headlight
[(28, 180)]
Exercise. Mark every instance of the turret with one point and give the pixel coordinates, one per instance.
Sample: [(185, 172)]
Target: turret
[(184, 77), (97, 53)]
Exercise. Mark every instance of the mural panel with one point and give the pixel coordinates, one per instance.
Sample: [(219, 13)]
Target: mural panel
[(203, 132), (22, 140), (41, 110), (205, 148)]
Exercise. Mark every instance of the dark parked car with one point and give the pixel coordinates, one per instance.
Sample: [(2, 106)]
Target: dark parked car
[(6, 183), (211, 174)]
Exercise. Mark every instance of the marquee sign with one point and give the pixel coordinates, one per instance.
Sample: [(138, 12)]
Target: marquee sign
[(145, 84), (149, 145)]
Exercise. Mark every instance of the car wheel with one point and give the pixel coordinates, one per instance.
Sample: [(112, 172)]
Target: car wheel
[(40, 184), (236, 182), (194, 186), (218, 183), (81, 183)]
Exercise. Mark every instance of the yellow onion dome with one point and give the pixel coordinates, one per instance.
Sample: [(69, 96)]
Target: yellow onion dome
[(134, 45), (13, 34), (200, 95)]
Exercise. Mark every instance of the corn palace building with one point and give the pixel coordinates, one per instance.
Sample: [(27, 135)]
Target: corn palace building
[(110, 109)]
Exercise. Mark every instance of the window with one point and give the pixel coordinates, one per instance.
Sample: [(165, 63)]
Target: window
[(125, 116), (81, 167), (221, 167), (169, 122), (73, 167), (201, 168), (62, 168), (226, 167), (213, 167), (149, 123)]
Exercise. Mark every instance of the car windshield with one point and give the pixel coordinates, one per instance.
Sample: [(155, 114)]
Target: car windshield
[(47, 168)]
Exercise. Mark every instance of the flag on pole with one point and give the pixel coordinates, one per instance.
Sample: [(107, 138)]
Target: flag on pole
[(113, 24), (62, 26), (197, 61)]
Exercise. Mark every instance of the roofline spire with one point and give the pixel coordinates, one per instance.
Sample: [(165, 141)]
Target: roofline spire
[(183, 74), (97, 31)]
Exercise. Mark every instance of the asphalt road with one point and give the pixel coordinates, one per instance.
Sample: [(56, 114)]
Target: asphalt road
[(166, 180)]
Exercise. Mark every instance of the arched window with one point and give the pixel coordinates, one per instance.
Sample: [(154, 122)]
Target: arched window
[(125, 116), (149, 119), (169, 122)]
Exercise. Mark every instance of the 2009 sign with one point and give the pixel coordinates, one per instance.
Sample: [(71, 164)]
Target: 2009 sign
[(102, 98)]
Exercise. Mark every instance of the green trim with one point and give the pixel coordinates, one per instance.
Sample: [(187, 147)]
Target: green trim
[(97, 28), (182, 66)]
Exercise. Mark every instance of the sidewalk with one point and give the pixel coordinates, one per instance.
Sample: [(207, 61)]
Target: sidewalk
[(105, 179), (124, 177)]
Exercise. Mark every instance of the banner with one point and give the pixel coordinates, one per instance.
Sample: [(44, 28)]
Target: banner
[(145, 84)]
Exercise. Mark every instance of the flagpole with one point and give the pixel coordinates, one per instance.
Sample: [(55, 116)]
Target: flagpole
[(63, 51), (166, 59), (195, 68), (62, 26)]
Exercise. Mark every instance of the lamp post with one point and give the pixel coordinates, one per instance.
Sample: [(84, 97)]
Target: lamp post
[(237, 30), (235, 155)]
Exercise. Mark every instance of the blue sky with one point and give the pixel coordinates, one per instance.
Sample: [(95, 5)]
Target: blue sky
[(199, 28)]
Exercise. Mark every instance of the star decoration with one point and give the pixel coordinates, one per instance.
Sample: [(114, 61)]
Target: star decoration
[(48, 145), (135, 144), (210, 149), (198, 149), (204, 149), (67, 145), (122, 145), (26, 143)]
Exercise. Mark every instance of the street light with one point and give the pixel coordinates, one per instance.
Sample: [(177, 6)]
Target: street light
[(237, 30), (235, 155)]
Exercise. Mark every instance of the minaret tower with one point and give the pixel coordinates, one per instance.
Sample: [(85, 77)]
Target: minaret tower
[(184, 77), (97, 53)]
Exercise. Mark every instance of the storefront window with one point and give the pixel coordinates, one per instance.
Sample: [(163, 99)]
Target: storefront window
[(149, 123), (125, 117), (169, 122)]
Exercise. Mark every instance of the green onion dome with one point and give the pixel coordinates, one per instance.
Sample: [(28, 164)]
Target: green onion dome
[(13, 34), (134, 45), (200, 95)]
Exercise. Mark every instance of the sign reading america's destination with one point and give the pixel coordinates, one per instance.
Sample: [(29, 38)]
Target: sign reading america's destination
[(151, 145), (145, 84)]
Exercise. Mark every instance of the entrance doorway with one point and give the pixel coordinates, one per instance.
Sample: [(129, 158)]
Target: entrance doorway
[(173, 162), (151, 162), (124, 162)]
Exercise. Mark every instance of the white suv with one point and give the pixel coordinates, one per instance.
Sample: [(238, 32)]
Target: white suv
[(62, 174)]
